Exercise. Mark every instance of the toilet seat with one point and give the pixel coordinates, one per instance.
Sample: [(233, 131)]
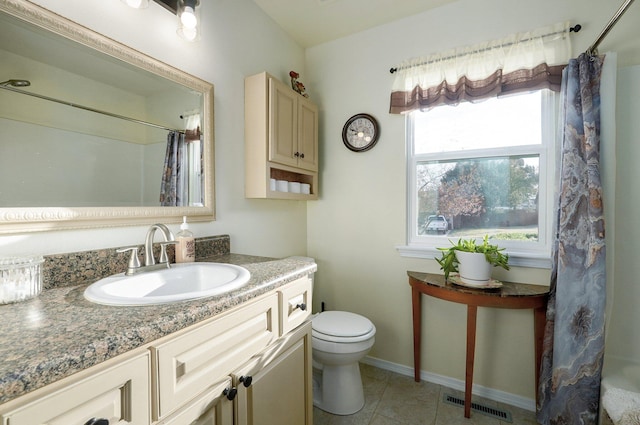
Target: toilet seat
[(342, 327)]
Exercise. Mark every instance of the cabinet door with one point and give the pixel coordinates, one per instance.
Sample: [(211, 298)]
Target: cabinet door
[(211, 408), (307, 134), (189, 363), (283, 116), (119, 394), (280, 392)]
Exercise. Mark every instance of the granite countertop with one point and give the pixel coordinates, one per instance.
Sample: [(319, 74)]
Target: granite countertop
[(59, 333)]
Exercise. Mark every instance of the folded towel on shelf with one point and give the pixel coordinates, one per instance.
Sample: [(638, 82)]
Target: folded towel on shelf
[(623, 406)]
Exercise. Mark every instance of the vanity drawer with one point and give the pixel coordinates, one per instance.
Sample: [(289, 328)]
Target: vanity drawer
[(193, 361), (295, 304), (119, 394)]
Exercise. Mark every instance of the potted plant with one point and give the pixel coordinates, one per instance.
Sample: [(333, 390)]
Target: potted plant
[(472, 260)]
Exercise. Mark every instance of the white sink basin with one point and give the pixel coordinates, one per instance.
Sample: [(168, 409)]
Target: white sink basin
[(178, 283)]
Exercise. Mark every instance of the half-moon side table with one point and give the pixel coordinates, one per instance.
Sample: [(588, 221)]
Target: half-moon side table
[(510, 295)]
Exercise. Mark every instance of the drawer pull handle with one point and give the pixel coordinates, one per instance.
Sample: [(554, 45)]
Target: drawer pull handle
[(246, 380), (230, 393), (94, 421), (301, 306)]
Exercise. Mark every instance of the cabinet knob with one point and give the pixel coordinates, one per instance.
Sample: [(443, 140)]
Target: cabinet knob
[(94, 421), (301, 306), (246, 380), (230, 393), (301, 155), (297, 154)]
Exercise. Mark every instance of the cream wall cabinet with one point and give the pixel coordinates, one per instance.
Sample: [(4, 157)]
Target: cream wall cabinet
[(281, 138), (119, 394), (293, 127)]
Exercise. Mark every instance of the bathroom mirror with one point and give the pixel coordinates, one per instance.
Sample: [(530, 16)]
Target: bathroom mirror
[(84, 128)]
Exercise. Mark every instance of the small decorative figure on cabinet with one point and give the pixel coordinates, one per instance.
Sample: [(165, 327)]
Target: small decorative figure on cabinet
[(297, 85)]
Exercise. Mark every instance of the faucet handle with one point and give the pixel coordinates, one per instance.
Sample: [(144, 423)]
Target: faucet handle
[(164, 258), (134, 262)]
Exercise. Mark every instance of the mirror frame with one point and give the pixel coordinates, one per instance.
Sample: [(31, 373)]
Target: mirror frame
[(20, 220)]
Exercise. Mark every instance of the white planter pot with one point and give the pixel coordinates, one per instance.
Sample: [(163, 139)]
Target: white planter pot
[(474, 268)]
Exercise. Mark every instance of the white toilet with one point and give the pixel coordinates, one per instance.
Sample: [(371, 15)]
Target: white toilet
[(339, 340)]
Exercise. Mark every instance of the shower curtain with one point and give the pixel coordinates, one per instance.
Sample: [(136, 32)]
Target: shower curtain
[(569, 389), (175, 185)]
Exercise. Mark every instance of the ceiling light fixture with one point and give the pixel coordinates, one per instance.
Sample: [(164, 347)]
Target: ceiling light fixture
[(137, 4), (188, 19)]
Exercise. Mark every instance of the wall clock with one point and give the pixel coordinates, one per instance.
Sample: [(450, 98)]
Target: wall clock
[(360, 132)]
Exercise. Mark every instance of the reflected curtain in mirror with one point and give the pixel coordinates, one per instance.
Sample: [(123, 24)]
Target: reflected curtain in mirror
[(173, 190), (181, 178)]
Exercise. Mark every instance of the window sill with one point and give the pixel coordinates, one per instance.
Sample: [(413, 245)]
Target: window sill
[(518, 259)]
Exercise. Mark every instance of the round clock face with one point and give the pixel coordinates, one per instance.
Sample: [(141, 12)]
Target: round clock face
[(360, 132)]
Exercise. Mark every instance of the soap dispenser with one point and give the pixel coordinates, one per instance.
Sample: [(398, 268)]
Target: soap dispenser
[(186, 244)]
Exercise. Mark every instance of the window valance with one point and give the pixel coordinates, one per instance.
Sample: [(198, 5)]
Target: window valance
[(521, 62)]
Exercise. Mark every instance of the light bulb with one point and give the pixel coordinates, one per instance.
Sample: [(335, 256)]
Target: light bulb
[(188, 17)]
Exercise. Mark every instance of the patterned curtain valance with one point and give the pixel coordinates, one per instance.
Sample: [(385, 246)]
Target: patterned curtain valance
[(525, 61)]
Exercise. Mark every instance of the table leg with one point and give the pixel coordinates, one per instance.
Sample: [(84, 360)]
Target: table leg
[(539, 324), (417, 319), (472, 311)]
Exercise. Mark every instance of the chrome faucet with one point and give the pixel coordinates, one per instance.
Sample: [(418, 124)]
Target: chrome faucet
[(149, 260)]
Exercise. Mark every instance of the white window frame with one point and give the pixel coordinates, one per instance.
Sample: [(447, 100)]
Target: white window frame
[(527, 254)]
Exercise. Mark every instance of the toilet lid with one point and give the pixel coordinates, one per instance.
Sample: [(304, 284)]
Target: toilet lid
[(341, 324)]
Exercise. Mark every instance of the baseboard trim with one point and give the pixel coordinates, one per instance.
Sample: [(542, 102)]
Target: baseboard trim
[(456, 384)]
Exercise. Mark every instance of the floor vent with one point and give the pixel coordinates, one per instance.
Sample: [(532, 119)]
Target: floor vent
[(503, 415)]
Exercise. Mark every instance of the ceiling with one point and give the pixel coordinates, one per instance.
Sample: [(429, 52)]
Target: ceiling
[(313, 22)]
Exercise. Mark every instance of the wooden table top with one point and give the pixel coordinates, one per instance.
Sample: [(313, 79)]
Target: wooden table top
[(508, 289)]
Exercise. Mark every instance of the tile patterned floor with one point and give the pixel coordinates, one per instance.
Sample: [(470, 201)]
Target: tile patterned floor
[(393, 399)]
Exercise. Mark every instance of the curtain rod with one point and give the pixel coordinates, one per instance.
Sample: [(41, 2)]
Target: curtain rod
[(574, 28), (86, 108), (593, 50)]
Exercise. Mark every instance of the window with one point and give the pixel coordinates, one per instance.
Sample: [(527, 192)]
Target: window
[(483, 168)]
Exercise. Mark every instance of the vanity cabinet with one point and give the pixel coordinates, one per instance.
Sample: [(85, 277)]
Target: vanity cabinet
[(118, 393), (281, 138), (259, 355), (192, 361), (196, 376)]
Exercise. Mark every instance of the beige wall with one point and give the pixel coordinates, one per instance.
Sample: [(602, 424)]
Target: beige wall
[(360, 218)]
